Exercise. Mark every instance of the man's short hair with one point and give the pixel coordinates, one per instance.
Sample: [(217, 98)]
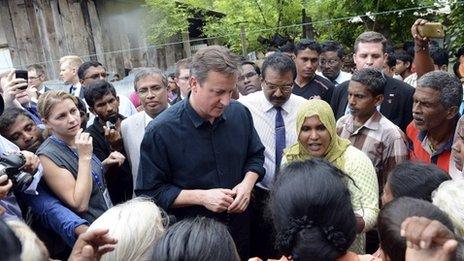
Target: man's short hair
[(446, 84), (404, 57), (97, 90), (72, 60), (332, 46), (439, 56), (307, 44), (214, 58), (370, 37), (149, 71), (257, 70), (185, 63), (9, 117), (372, 78), (279, 62), (39, 69), (85, 66)]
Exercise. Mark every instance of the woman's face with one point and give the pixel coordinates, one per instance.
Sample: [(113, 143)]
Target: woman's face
[(458, 148), (64, 119), (314, 137), (387, 195)]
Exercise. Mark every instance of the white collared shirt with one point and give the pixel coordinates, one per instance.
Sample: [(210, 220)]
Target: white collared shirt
[(341, 78), (147, 119), (264, 114)]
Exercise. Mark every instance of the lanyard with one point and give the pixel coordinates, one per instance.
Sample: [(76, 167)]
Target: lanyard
[(96, 177)]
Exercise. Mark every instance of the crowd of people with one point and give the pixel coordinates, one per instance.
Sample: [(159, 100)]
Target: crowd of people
[(289, 158)]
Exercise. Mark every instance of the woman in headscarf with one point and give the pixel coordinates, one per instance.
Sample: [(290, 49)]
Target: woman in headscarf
[(317, 138)]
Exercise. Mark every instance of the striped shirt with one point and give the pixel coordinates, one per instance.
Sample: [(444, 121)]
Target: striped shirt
[(264, 113), (380, 139)]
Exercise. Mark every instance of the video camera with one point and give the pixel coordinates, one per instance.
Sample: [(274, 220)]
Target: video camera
[(10, 165)]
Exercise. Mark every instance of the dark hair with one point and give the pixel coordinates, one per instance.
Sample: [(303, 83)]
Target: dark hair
[(332, 46), (459, 52), (394, 213), (288, 47), (372, 78), (257, 70), (307, 44), (370, 37), (11, 246), (39, 69), (199, 238), (405, 57), (456, 70), (408, 47), (279, 62), (391, 60), (85, 66), (415, 180), (311, 211), (439, 56), (446, 84), (96, 90), (9, 117)]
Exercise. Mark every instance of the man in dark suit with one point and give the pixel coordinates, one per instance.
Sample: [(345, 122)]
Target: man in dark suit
[(369, 51)]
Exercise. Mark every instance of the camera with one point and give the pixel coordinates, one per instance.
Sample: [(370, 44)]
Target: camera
[(10, 165)]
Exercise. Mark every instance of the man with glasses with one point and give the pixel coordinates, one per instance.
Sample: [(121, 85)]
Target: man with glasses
[(274, 112), (308, 84), (331, 61), (182, 78), (36, 78), (91, 71), (249, 80), (151, 87)]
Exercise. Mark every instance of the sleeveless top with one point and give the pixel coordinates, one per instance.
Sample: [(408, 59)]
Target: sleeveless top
[(64, 157)]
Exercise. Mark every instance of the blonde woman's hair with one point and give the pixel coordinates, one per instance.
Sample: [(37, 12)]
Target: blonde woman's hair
[(137, 224), (449, 197), (50, 99), (71, 61), (33, 249)]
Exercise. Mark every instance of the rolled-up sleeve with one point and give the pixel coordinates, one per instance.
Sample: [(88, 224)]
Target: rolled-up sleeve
[(153, 178)]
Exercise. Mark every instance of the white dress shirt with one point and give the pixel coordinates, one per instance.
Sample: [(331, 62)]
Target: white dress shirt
[(264, 114)]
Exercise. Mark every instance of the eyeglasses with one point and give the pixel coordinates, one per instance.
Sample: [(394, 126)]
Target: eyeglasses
[(248, 76), (331, 62), (274, 87), (153, 89), (97, 75)]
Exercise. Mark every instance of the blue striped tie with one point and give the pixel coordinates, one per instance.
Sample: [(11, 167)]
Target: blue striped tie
[(279, 136)]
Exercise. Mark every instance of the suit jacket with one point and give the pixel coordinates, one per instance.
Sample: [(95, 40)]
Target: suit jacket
[(396, 105), (132, 131)]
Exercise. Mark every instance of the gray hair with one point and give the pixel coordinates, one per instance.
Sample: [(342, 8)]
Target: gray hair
[(214, 58), (149, 71), (448, 85), (370, 37)]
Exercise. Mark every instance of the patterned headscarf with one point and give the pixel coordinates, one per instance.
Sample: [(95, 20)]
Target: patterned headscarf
[(337, 147)]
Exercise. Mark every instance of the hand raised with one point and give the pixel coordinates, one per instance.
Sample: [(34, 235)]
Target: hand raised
[(84, 145)]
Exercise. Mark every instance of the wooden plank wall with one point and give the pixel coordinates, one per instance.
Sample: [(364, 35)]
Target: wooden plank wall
[(42, 31)]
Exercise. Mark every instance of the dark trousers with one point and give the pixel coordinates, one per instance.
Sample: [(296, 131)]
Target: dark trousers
[(262, 230)]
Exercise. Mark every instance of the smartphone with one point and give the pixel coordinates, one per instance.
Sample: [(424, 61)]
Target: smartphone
[(111, 123), (431, 30), (22, 74)]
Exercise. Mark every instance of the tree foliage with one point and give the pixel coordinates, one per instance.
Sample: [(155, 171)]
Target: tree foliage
[(340, 20)]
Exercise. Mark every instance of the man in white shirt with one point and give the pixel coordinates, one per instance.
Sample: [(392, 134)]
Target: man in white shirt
[(274, 112), (331, 61), (151, 86)]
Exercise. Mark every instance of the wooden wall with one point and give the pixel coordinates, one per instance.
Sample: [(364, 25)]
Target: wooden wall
[(42, 31)]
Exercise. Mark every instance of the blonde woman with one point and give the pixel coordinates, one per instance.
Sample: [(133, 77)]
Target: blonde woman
[(71, 170), (136, 224)]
